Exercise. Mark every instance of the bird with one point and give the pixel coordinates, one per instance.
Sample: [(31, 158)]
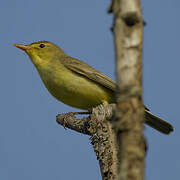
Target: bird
[(76, 83)]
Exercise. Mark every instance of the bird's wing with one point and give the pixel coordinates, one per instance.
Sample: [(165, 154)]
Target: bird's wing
[(89, 72)]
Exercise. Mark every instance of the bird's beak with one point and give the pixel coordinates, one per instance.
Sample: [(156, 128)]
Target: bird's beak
[(23, 47)]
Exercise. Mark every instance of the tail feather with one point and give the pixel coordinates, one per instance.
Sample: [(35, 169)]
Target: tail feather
[(157, 123)]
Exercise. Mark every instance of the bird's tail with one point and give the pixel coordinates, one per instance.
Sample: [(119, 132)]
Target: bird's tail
[(157, 123)]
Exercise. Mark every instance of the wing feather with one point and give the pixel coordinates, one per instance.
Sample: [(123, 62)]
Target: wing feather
[(89, 72)]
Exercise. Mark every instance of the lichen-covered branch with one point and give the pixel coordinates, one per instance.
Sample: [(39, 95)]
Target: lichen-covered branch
[(98, 125), (69, 120), (129, 116)]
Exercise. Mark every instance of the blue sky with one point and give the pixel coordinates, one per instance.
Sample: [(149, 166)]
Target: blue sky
[(32, 144)]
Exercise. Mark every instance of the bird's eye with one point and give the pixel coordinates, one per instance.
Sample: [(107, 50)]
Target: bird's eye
[(41, 45)]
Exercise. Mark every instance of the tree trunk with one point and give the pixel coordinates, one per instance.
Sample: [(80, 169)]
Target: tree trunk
[(129, 115)]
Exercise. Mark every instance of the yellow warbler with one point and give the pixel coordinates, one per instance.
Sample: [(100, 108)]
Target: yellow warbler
[(77, 84)]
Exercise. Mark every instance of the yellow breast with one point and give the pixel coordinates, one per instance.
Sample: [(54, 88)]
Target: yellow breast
[(73, 89)]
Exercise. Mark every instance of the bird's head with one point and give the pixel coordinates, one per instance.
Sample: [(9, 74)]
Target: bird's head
[(41, 52)]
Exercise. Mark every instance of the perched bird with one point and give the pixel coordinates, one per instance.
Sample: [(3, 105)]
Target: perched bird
[(77, 84)]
